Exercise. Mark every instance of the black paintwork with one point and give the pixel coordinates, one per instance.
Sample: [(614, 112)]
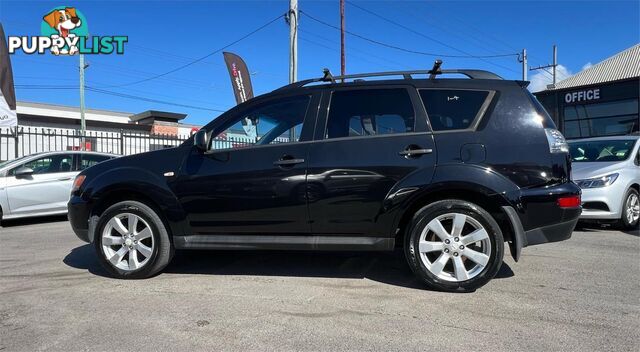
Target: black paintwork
[(346, 187)]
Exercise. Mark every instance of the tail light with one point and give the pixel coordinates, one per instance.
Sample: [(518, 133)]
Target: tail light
[(557, 143), (569, 202), (77, 183)]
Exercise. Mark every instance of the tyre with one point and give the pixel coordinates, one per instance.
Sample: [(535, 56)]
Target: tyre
[(132, 241), (630, 210), (454, 245)]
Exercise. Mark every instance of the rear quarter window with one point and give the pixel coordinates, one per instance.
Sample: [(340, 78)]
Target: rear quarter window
[(451, 109)]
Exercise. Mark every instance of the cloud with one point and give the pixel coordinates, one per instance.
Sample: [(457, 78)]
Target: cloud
[(587, 65), (540, 79)]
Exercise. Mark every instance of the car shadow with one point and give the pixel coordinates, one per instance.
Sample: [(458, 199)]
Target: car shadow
[(385, 267), (595, 227), (33, 221)]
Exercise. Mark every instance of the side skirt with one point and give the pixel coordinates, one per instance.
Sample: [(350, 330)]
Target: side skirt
[(270, 242)]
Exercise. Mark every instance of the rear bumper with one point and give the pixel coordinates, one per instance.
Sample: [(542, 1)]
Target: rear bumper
[(537, 218), (78, 216)]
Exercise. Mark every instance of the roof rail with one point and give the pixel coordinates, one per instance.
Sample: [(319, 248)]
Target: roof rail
[(435, 71)]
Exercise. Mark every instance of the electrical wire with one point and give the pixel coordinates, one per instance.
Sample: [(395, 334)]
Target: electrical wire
[(199, 59)]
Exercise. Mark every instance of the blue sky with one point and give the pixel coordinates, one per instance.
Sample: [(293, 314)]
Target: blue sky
[(164, 35)]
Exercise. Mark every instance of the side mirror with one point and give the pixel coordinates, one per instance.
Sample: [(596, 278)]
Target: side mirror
[(200, 140), (23, 172)]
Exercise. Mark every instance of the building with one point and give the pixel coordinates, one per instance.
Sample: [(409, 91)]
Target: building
[(601, 100), (47, 127)]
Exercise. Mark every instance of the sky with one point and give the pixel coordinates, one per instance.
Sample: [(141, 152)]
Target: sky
[(400, 35)]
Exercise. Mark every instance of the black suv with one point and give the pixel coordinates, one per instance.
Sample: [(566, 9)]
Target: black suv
[(447, 169)]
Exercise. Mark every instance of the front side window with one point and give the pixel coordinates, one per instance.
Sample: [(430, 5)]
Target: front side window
[(370, 112), (451, 109), (601, 151), (270, 123), (48, 164)]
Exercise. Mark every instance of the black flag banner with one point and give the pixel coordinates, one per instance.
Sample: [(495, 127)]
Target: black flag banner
[(241, 85), (8, 116)]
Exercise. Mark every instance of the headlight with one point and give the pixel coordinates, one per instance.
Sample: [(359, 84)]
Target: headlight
[(597, 182)]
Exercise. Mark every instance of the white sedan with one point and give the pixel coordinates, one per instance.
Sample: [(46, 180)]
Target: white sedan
[(40, 184), (608, 171)]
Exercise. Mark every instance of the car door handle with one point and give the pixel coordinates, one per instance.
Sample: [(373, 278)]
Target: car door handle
[(415, 152), (288, 162), (64, 179)]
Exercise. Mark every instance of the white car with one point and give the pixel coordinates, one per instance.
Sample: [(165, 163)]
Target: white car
[(608, 171), (40, 184)]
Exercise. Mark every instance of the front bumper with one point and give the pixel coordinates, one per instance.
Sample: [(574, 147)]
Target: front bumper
[(594, 201)]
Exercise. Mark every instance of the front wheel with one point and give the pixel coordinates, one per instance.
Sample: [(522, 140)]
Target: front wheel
[(630, 210), (132, 241), (454, 245)]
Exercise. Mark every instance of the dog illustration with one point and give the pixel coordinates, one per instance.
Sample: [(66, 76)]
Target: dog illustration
[(63, 21)]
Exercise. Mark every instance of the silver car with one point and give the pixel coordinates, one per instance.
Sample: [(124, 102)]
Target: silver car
[(608, 171), (40, 184)]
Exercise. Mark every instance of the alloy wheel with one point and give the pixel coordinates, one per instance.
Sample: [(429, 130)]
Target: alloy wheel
[(127, 241), (456, 255), (633, 208)]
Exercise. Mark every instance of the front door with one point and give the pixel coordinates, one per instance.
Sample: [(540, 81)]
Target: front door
[(252, 180), (368, 141), (46, 189)]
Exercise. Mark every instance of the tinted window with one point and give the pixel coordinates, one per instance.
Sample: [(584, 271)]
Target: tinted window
[(49, 164), (88, 160), (596, 151), (271, 123), (450, 109), (370, 112), (601, 119)]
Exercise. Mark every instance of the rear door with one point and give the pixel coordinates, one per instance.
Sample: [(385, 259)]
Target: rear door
[(367, 141), (46, 190)]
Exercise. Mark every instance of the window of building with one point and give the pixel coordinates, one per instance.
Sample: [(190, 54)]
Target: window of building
[(370, 112), (450, 109), (275, 122), (601, 119)]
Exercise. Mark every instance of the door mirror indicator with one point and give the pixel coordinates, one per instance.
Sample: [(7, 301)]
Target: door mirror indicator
[(23, 172), (200, 140)]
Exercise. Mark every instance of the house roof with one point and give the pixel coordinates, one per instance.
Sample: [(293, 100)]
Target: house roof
[(623, 65)]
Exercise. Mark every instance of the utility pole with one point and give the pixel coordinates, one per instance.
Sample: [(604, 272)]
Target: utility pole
[(523, 60), (82, 122), (343, 68), (293, 41), (553, 66)]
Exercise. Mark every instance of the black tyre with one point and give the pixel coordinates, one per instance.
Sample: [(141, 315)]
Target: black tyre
[(454, 245), (131, 240), (630, 210)]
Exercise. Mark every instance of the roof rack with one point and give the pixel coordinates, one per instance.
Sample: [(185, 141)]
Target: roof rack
[(435, 71)]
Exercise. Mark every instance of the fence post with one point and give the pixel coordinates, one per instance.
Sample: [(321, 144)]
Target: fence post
[(15, 143), (121, 141)]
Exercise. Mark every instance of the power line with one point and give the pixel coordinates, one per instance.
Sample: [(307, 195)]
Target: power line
[(199, 59), (135, 97), (466, 54)]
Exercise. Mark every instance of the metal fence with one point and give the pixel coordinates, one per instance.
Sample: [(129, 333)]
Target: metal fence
[(21, 141)]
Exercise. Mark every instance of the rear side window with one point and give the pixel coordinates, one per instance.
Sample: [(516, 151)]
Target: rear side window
[(370, 112), (450, 109), (88, 160)]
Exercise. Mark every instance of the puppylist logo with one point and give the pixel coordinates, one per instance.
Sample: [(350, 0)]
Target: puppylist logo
[(64, 31)]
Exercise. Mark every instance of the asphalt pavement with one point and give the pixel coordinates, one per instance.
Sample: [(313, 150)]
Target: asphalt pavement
[(581, 294)]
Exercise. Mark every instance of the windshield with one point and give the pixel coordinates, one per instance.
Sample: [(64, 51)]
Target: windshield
[(6, 163), (595, 151)]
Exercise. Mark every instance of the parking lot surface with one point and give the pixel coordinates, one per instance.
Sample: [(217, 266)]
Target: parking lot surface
[(581, 294)]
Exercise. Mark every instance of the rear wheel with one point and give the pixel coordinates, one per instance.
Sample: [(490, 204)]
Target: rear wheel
[(132, 241), (630, 210), (454, 245)]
